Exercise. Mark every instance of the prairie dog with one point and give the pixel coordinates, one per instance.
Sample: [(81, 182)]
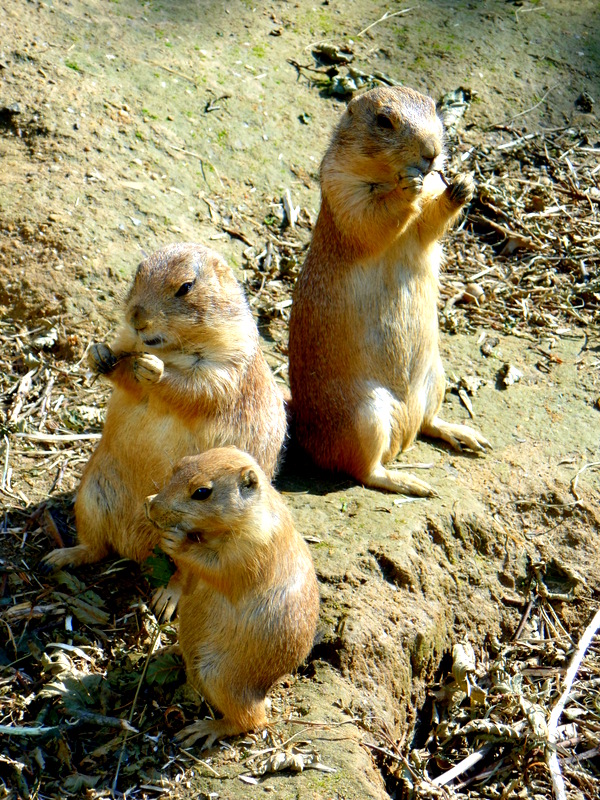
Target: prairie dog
[(365, 369), (188, 375), (250, 600)]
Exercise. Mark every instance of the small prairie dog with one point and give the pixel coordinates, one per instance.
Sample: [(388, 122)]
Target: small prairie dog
[(365, 369), (250, 600), (188, 375)]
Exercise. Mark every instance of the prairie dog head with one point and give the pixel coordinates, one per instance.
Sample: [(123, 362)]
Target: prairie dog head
[(186, 300), (217, 502), (385, 135)]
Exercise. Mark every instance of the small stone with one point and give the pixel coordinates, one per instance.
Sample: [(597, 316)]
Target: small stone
[(488, 345), (509, 374), (470, 383), (537, 203), (474, 293), (585, 103), (7, 112)]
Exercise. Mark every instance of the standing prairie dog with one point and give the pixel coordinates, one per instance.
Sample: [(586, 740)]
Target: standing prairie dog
[(365, 369), (188, 375), (250, 600)]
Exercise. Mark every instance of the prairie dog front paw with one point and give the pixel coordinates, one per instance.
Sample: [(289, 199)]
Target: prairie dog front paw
[(171, 541), (101, 358), (411, 181), (148, 368), (461, 190), (165, 600)]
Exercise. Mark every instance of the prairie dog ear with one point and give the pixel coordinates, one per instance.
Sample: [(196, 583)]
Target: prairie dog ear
[(248, 480)]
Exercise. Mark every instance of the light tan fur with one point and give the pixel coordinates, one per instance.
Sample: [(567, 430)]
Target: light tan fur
[(365, 369), (250, 600), (188, 375)]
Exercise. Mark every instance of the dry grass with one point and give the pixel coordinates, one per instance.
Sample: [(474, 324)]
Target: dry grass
[(531, 239), (489, 728)]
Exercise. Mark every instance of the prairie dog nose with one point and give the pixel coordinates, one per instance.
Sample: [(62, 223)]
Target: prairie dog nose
[(139, 318), (429, 149)]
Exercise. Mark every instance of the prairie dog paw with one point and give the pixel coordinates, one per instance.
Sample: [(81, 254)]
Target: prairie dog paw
[(461, 190), (165, 600), (101, 358), (411, 182), (148, 368), (212, 729), (458, 436), (171, 541)]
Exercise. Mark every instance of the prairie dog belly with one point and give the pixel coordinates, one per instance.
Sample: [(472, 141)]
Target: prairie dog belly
[(208, 623), (145, 439), (397, 336)]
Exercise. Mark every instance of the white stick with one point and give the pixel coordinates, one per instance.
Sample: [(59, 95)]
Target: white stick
[(553, 763), (387, 15), (291, 211), (58, 437), (462, 766)]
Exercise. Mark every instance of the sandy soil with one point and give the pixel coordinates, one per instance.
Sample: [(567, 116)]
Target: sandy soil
[(127, 125)]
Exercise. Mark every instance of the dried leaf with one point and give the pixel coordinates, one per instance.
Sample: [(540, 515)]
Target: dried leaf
[(463, 661), (165, 669), (485, 727), (77, 782), (158, 568), (87, 613), (294, 760)]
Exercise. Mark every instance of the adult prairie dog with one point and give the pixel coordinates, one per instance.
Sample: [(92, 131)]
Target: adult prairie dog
[(250, 601), (365, 368), (188, 375)]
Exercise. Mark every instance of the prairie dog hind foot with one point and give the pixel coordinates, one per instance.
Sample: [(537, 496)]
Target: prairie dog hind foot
[(458, 436), (215, 729), (398, 482), (70, 556)]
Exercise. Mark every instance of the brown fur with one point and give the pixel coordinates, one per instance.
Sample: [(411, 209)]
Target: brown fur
[(250, 599), (365, 370), (188, 375)]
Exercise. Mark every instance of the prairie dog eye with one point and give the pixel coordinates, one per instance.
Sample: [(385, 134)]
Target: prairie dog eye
[(184, 288), (383, 121), (203, 493)]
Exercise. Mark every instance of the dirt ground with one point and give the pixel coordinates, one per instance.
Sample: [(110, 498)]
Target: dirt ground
[(127, 125)]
